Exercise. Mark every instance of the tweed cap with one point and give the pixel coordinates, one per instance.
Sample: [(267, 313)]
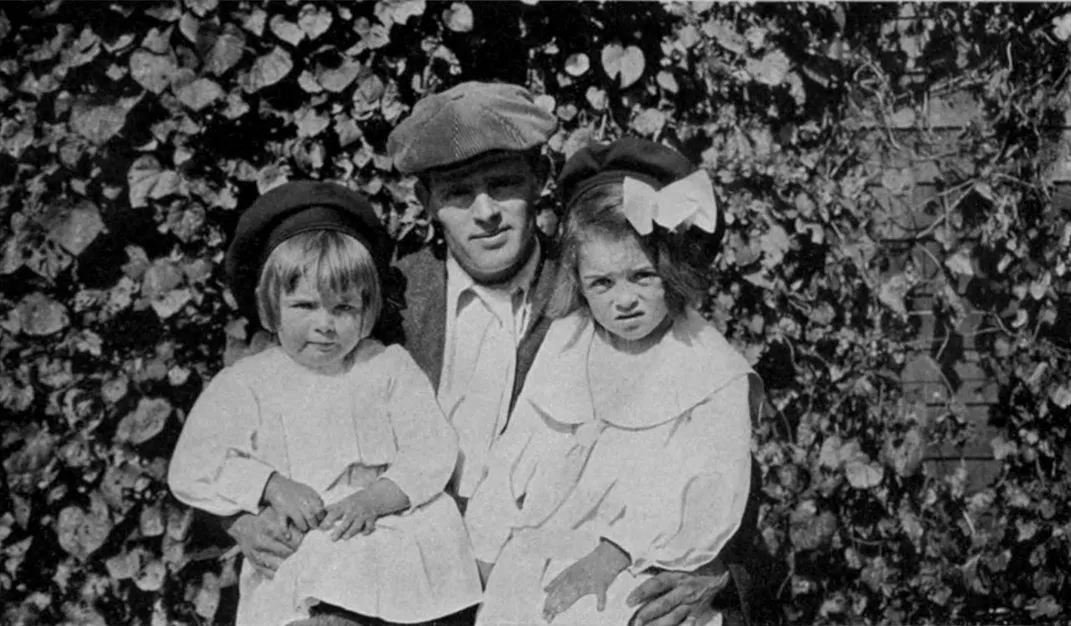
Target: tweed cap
[(291, 209), (600, 163), (465, 121)]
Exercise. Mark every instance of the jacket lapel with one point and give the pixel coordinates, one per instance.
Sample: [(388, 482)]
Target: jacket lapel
[(424, 311), (538, 322)]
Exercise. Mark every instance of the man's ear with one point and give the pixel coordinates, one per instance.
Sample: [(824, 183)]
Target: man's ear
[(542, 167)]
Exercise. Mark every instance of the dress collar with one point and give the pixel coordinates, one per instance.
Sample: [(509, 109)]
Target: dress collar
[(694, 361)]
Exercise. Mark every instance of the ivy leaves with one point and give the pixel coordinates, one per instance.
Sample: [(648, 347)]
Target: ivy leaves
[(133, 132), (82, 531), (625, 64)]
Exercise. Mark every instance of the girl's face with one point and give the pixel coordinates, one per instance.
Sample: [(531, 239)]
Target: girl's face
[(319, 330), (622, 288)]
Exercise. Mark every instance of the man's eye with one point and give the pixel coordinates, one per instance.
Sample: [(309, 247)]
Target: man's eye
[(505, 183), (646, 276), (451, 193)]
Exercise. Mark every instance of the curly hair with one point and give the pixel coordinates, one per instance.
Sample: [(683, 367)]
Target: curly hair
[(597, 213)]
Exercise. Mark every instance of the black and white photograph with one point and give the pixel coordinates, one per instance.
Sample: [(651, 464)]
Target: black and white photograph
[(534, 312)]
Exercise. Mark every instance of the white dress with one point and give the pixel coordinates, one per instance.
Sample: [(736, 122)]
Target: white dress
[(666, 479), (336, 434)]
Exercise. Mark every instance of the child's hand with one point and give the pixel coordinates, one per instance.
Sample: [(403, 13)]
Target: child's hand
[(592, 574), (295, 501), (356, 513)]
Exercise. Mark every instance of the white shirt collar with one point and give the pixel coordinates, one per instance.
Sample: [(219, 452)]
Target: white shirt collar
[(458, 281)]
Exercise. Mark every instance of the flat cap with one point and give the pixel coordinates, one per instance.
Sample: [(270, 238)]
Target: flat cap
[(600, 163), (465, 121), (290, 209)]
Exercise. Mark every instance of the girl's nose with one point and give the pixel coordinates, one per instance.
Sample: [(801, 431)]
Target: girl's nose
[(325, 321), (626, 300)]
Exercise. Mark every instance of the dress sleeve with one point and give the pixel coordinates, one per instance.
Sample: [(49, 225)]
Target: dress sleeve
[(683, 506), (214, 467), (426, 443)]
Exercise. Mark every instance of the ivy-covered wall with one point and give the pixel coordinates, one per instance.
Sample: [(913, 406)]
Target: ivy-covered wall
[(896, 265)]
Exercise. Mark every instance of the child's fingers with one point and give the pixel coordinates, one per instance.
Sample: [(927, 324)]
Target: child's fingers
[(557, 580), (355, 528), (563, 596), (342, 528), (331, 515), (554, 603), (351, 525)]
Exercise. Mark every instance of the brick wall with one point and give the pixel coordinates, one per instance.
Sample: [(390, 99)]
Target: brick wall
[(943, 372)]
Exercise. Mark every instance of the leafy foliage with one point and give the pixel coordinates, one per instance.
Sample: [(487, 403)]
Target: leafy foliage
[(133, 131)]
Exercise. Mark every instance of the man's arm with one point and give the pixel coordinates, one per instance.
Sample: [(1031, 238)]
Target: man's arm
[(729, 584)]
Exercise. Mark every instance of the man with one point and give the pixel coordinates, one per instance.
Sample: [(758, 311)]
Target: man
[(474, 317)]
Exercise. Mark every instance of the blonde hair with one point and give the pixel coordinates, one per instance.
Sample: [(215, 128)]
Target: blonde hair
[(596, 213), (336, 262)]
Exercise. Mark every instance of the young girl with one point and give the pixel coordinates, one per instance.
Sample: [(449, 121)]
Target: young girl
[(339, 434), (629, 447)]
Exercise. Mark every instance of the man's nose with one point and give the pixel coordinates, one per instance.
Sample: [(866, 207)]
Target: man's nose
[(484, 207)]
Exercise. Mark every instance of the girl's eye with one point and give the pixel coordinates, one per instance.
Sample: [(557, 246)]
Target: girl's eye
[(346, 308), (645, 277), (599, 284)]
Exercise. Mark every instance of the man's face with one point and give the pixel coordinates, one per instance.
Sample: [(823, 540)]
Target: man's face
[(486, 212)]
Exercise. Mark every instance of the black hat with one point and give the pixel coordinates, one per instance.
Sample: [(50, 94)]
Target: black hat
[(600, 163), (291, 209)]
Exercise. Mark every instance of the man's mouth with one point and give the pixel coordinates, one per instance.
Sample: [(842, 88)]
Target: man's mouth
[(490, 234)]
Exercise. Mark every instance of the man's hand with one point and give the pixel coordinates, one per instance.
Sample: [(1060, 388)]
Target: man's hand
[(592, 575), (264, 539), (671, 598), (295, 501)]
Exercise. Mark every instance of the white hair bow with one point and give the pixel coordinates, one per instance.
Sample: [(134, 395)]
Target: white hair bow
[(686, 202)]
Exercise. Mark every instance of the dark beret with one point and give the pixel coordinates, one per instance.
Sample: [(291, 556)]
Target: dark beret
[(291, 209), (466, 121), (599, 163)]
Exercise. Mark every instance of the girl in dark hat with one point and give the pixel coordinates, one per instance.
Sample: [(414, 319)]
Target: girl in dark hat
[(339, 434), (629, 447)]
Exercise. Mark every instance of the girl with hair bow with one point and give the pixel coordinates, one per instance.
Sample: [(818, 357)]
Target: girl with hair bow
[(629, 447)]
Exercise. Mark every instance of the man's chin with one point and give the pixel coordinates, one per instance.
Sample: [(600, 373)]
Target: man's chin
[(496, 270)]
